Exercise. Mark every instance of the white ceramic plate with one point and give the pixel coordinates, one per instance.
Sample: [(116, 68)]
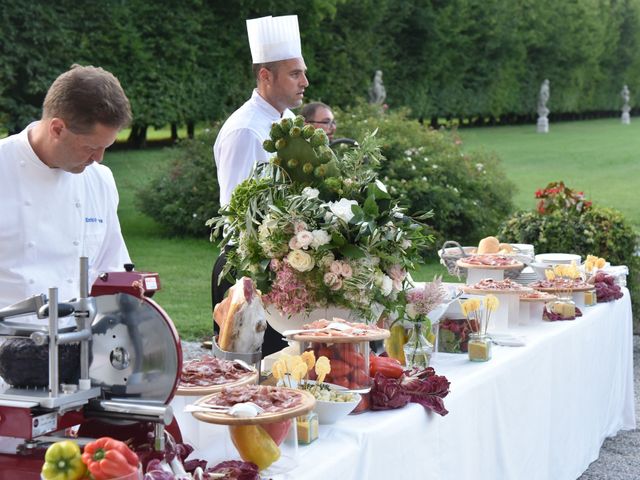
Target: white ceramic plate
[(555, 258)]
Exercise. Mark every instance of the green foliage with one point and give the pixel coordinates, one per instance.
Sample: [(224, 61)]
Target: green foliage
[(427, 170), (183, 197), (597, 231)]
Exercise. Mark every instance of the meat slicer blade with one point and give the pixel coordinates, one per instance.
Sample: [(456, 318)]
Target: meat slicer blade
[(135, 349)]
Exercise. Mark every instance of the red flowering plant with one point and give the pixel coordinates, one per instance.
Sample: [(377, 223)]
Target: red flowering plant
[(557, 196)]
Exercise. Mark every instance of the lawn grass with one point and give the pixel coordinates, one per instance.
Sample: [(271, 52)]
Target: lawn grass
[(595, 156), (599, 157)]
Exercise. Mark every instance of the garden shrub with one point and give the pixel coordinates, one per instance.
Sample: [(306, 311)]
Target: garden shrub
[(183, 197), (593, 230), (427, 170)]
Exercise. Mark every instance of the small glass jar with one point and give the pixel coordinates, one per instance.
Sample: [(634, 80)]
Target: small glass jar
[(479, 347), (417, 350), (590, 298), (307, 428), (564, 307)]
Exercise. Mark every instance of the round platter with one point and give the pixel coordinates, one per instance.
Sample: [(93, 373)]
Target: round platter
[(305, 406), (369, 337), (251, 377), (539, 299), (562, 289), (518, 265), (486, 291)]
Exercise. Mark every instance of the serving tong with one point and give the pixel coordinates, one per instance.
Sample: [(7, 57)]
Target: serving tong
[(244, 409)]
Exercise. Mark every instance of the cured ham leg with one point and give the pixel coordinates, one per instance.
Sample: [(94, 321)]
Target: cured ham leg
[(241, 318)]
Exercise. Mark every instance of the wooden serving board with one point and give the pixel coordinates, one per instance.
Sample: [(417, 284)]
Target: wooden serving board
[(540, 299), (563, 289), (305, 406), (481, 291), (250, 378), (370, 337), (518, 265)]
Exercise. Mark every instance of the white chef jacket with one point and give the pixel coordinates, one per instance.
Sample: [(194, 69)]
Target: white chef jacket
[(49, 218), (238, 146)]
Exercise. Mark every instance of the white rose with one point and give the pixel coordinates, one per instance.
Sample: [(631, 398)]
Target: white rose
[(320, 237), (304, 238), (310, 192), (301, 261), (342, 209), (387, 285)]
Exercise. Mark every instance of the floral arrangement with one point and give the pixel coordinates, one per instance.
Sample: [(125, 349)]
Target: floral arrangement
[(314, 231), (557, 196), (422, 301)]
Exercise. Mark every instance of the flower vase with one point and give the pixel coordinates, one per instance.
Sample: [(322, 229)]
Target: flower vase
[(418, 349)]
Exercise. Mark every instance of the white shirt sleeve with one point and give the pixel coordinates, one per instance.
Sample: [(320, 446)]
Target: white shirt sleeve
[(236, 156)]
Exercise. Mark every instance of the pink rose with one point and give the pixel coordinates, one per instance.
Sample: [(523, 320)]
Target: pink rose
[(333, 281), (336, 267), (304, 238), (346, 270), (293, 243)]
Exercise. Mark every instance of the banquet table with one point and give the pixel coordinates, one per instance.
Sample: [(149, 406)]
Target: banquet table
[(535, 412)]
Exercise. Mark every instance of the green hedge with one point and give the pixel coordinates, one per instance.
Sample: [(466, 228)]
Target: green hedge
[(189, 61)]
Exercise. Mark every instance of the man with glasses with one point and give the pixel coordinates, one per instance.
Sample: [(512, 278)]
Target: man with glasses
[(58, 202), (320, 115)]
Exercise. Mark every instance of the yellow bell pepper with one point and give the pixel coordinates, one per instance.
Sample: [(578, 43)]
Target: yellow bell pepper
[(395, 343), (254, 444), (63, 461)]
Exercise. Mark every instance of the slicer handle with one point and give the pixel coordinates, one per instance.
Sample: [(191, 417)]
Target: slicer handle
[(64, 310)]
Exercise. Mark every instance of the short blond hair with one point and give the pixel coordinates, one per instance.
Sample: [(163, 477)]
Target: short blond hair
[(86, 96)]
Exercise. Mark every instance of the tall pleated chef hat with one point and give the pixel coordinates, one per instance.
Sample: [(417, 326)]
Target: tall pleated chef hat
[(274, 38)]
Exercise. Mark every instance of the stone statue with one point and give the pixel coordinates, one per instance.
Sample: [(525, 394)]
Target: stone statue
[(543, 111), (626, 108), (377, 93)]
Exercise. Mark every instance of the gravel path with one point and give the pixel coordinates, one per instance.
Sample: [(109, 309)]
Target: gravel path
[(619, 456)]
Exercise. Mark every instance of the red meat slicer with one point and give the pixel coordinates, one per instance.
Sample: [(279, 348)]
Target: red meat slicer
[(130, 365)]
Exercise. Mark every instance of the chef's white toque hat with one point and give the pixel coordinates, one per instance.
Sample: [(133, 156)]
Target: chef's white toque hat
[(274, 38)]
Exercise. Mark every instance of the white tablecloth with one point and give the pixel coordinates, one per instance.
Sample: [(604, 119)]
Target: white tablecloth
[(531, 413)]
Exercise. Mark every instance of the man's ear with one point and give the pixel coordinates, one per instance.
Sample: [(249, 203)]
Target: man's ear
[(265, 75), (56, 126)]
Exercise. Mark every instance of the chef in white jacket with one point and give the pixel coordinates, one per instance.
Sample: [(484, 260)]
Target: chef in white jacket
[(281, 79), (58, 202)]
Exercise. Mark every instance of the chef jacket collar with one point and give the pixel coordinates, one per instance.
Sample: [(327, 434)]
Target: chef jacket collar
[(265, 106), (31, 154)]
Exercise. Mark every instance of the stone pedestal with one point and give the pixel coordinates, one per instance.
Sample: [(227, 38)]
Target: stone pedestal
[(626, 118), (543, 125)]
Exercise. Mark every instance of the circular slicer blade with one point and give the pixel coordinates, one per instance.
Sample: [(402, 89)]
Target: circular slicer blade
[(135, 349)]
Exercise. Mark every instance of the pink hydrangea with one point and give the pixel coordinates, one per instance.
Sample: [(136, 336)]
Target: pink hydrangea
[(288, 293)]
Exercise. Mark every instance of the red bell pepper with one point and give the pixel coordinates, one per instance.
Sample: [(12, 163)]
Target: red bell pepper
[(107, 458), (387, 366)]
